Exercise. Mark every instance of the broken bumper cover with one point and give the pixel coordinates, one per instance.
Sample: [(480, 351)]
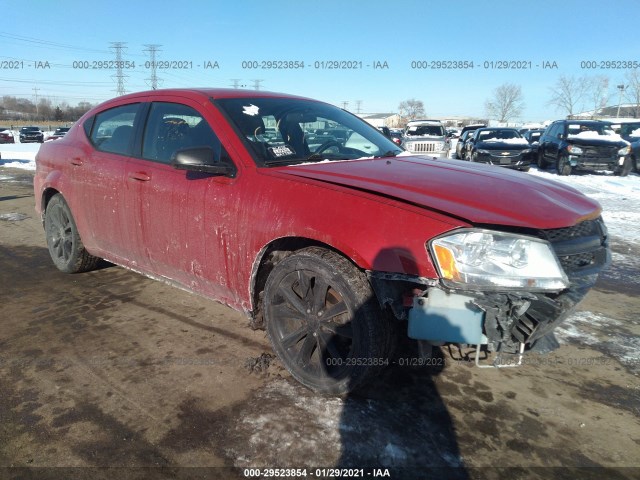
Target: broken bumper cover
[(507, 319)]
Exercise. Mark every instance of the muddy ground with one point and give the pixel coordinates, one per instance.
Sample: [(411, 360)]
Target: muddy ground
[(111, 369)]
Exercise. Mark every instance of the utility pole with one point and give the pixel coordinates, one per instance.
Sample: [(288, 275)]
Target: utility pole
[(345, 104), (256, 84), (236, 83), (153, 49), (119, 76), (621, 88), (35, 89)]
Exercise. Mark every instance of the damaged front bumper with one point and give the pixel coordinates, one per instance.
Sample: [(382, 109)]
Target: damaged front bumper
[(511, 322)]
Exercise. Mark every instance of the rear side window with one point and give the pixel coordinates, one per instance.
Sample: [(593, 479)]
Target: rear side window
[(113, 129), (172, 127)]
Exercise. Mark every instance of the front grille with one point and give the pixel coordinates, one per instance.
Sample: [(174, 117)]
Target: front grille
[(599, 153), (577, 261), (582, 229), (424, 147), (580, 248)]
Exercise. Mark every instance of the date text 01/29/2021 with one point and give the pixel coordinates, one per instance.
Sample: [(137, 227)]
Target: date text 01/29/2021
[(316, 473)]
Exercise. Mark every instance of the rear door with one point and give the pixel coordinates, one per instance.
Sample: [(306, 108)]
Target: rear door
[(101, 194)]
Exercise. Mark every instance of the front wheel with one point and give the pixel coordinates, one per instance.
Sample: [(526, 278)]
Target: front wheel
[(625, 168), (542, 163), (63, 240), (562, 165), (324, 322)]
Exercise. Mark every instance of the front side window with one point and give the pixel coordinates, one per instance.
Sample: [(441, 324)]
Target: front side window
[(113, 129), (172, 127), (288, 131)]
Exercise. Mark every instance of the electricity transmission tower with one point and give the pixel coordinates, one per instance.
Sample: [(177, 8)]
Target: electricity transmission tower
[(153, 80), (118, 47)]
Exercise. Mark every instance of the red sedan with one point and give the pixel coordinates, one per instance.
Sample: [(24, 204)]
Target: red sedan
[(317, 226)]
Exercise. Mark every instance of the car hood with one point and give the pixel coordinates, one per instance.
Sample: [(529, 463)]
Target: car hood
[(435, 138), (501, 146), (479, 194), (596, 142)]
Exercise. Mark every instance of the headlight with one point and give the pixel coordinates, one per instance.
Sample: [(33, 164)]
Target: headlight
[(624, 151), (574, 150), (488, 260), (484, 152)]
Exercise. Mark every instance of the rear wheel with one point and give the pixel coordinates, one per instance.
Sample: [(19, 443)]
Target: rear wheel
[(63, 240), (324, 322), (562, 165)]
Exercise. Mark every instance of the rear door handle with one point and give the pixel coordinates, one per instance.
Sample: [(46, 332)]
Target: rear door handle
[(140, 176)]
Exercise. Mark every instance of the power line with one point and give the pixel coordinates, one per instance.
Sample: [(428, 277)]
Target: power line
[(47, 43)]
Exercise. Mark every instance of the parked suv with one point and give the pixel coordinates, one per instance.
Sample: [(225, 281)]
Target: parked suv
[(426, 136), (589, 144), (332, 249), (31, 134)]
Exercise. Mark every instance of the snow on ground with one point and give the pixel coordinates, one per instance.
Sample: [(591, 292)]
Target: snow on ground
[(619, 197), (19, 155)]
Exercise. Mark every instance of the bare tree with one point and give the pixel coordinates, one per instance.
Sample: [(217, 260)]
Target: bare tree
[(597, 92), (411, 109), (568, 94), (632, 90), (506, 103)]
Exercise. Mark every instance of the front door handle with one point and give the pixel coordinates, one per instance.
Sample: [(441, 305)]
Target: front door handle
[(140, 176)]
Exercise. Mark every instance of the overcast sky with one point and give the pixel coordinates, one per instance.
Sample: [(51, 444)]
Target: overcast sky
[(41, 40)]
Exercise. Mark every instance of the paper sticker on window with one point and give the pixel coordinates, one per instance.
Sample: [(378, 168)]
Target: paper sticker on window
[(250, 110), (282, 151)]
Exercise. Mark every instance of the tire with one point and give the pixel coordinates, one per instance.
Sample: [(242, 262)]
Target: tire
[(542, 163), (625, 169), (63, 240), (563, 166), (324, 322)]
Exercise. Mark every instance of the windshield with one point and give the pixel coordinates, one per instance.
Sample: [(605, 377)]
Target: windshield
[(487, 135), (288, 131), (425, 130), (589, 129)]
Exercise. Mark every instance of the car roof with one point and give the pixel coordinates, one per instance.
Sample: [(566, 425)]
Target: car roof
[(584, 122), (496, 128), (425, 122), (208, 93)]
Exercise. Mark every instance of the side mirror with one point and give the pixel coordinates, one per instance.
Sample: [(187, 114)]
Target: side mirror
[(201, 159)]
